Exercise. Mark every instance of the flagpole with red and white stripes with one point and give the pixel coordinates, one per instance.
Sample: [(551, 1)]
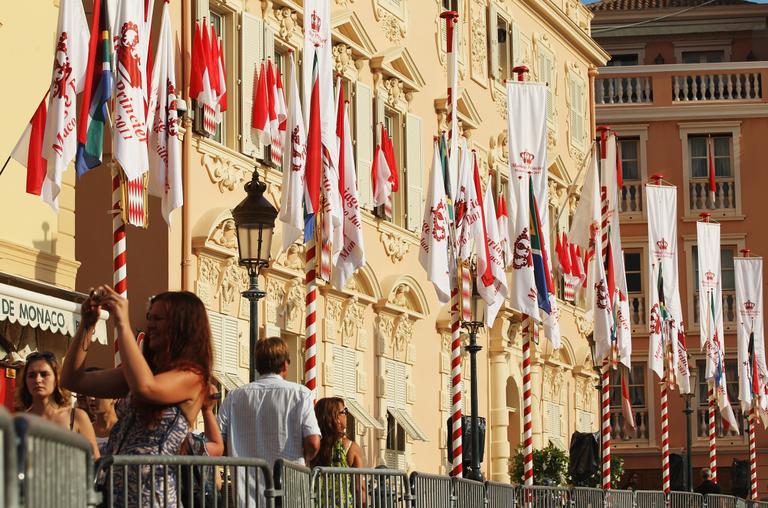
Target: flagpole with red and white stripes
[(665, 384), (119, 262), (712, 430), (606, 423), (752, 422), (457, 281)]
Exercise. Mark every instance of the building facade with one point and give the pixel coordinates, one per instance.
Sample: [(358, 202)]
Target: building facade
[(682, 73), (384, 340)]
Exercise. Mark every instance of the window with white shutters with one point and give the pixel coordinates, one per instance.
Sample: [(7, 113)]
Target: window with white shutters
[(504, 43), (252, 53), (414, 172), (344, 374), (225, 337), (547, 75), (399, 420), (364, 143), (577, 120)]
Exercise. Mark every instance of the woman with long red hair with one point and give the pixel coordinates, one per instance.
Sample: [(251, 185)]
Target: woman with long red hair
[(163, 387)]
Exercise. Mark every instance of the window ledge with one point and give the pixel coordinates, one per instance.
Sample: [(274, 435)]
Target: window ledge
[(633, 218), (718, 216)]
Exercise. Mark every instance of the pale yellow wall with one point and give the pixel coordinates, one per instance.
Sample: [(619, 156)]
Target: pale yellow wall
[(34, 241)]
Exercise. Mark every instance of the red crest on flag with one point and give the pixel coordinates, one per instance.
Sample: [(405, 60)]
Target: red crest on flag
[(662, 244), (438, 219), (527, 157), (709, 276), (62, 69), (127, 53)]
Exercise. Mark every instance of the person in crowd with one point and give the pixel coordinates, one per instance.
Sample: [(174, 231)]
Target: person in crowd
[(270, 418), (633, 482), (42, 394), (163, 388), (337, 450), (707, 486), (104, 418)]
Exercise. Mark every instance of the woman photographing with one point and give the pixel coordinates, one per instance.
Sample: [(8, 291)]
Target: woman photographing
[(163, 388)]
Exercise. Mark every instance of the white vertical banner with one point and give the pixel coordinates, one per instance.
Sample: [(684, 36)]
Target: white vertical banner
[(527, 128), (750, 335), (665, 312), (585, 229), (433, 251), (317, 40), (710, 294), (623, 329)]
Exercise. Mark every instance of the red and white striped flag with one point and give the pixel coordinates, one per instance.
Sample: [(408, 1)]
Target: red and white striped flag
[(201, 78), (278, 138), (260, 113), (381, 174), (274, 123), (67, 80), (292, 195), (711, 170), (29, 150), (626, 402), (469, 215), (492, 284), (219, 70)]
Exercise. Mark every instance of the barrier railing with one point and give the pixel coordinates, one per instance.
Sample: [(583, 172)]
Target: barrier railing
[(189, 481), (619, 499), (649, 499), (292, 484), (720, 501), (468, 493), (499, 495), (588, 498), (55, 466), (9, 488), (685, 500), (336, 487), (543, 497), (431, 490)]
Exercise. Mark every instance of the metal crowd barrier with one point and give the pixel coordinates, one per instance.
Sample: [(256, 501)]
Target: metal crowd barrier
[(55, 466), (757, 504), (499, 495), (336, 487), (188, 481), (720, 501), (292, 484), (587, 497), (468, 493), (685, 500), (619, 499), (649, 499), (431, 490), (544, 497), (9, 488)]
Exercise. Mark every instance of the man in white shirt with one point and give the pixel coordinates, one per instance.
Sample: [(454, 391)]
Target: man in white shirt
[(270, 418)]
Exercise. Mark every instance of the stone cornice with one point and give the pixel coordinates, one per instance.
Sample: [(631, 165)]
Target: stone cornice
[(731, 109)]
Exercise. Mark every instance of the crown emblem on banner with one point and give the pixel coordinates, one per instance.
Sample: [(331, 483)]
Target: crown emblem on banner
[(662, 244), (315, 21), (527, 157), (709, 276), (749, 305)]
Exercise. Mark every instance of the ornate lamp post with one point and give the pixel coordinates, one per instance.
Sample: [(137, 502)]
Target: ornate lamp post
[(473, 348), (688, 442), (255, 221)]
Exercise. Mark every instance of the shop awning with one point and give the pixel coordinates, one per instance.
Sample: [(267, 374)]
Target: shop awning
[(405, 420), (227, 380), (361, 415), (46, 312)]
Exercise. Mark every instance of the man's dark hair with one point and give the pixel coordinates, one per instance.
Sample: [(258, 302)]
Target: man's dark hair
[(271, 355)]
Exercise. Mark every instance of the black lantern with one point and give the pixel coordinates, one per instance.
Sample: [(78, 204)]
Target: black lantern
[(255, 221)]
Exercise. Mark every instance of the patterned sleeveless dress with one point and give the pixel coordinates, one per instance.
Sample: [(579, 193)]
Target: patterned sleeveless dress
[(130, 436)]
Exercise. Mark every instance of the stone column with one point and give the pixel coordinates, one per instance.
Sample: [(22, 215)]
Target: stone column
[(498, 414)]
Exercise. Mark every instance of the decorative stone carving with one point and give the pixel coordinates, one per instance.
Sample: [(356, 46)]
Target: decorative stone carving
[(584, 393), (344, 3), (274, 300), (394, 90), (399, 296), (208, 273), (394, 28), (385, 324), (342, 58), (229, 289), (479, 45), (352, 323), (584, 325), (292, 258), (332, 318), (287, 20), (294, 305), (402, 337), (225, 235), (396, 248), (577, 155), (553, 383), (228, 175)]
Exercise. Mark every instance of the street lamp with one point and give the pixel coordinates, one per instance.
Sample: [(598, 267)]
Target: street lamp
[(255, 221), (688, 441), (476, 308)]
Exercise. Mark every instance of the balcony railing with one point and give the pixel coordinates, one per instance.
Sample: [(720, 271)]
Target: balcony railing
[(729, 308), (702, 423), (631, 197), (725, 194), (620, 433), (637, 310), (667, 85)]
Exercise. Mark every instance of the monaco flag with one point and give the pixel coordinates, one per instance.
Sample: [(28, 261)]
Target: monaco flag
[(351, 255), (292, 196), (164, 145), (495, 292), (433, 251), (29, 150), (381, 174), (278, 136), (68, 79), (129, 133)]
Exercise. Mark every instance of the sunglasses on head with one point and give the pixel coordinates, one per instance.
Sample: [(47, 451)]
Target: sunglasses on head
[(38, 355), (344, 411)]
